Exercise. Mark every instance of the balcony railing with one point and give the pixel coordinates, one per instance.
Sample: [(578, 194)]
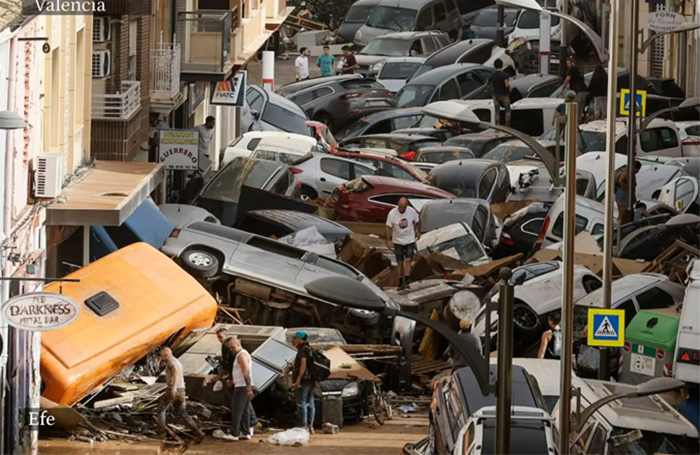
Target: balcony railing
[(118, 106), (166, 71), (206, 38)]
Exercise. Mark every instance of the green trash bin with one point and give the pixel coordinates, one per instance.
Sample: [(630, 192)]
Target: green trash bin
[(650, 343)]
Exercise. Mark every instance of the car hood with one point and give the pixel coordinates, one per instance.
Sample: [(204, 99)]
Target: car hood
[(334, 385), (369, 59)]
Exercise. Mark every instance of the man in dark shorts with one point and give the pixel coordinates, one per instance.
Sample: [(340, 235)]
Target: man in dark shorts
[(402, 232), (501, 92), (574, 80)]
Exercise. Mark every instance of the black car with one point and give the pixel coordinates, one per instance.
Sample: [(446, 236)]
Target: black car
[(484, 23), (479, 143), (521, 230), (280, 223), (402, 143), (523, 86), (444, 83), (476, 178), (381, 123), (442, 153), (475, 212), (458, 396), (466, 51)]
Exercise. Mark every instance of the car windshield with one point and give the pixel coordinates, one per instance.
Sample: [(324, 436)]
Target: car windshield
[(414, 96), (453, 241), (427, 122), (358, 14), (441, 157), (591, 141), (270, 155), (385, 47), (623, 440), (285, 120), (488, 18), (398, 70), (226, 184), (526, 437), (392, 18), (531, 19), (506, 153)]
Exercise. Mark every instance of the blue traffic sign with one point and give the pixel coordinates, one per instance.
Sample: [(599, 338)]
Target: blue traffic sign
[(625, 102), (606, 327)]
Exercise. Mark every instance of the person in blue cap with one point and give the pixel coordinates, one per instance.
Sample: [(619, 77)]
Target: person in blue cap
[(303, 382)]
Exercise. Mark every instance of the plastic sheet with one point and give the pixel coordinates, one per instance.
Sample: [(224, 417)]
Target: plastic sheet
[(291, 437)]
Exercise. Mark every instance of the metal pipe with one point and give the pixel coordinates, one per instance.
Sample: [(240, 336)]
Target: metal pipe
[(683, 61), (545, 41), (505, 362), (500, 26), (567, 298), (610, 177), (632, 120), (563, 43)]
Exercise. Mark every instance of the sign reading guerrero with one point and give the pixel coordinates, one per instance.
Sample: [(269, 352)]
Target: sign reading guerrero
[(40, 311), (178, 149)]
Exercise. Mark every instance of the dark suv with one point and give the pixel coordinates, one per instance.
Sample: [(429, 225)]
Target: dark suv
[(458, 396)]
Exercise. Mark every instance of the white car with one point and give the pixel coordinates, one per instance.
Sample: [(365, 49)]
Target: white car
[(528, 26), (683, 194), (248, 142), (660, 138), (685, 365), (538, 295), (320, 174), (690, 137)]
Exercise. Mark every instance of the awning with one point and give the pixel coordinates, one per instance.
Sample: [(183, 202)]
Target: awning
[(107, 195)]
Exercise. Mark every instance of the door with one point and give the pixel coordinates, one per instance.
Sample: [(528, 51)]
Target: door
[(468, 82), (663, 141), (449, 91), (331, 173), (466, 439), (681, 194)]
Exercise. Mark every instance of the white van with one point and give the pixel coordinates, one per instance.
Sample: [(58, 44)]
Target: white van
[(532, 116), (246, 144), (660, 138), (686, 364), (590, 216)]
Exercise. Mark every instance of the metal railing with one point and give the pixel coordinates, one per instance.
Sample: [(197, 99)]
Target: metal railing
[(166, 71), (118, 106)]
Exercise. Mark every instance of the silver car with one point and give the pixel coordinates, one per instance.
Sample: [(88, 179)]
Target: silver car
[(267, 270), (321, 173)]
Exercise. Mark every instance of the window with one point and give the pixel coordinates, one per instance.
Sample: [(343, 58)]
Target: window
[(479, 223), (654, 298), (478, 54), (261, 227), (388, 47), (469, 436), (529, 121), (303, 98), (392, 199), (440, 12), (629, 308), (598, 229), (581, 185), (449, 91), (374, 143), (429, 45), (443, 41), (79, 77), (581, 442), (597, 444), (533, 226), (283, 182), (358, 14), (285, 120), (361, 170), (405, 122), (425, 20), (655, 139), (55, 136), (558, 229), (133, 40), (414, 96), (254, 99), (416, 48), (544, 90), (468, 82), (451, 8), (336, 168), (380, 127), (253, 143), (398, 70), (693, 130), (685, 190), (392, 18), (486, 183), (396, 171)]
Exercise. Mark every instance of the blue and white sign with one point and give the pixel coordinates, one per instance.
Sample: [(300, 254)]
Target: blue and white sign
[(625, 102), (606, 327)]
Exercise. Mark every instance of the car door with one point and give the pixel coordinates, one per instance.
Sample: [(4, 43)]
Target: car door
[(681, 193), (469, 82), (486, 184), (466, 440), (449, 90), (331, 172), (662, 141)]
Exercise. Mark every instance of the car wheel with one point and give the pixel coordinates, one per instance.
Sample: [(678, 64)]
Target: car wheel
[(308, 194), (525, 317), (363, 318), (200, 263), (326, 119), (591, 284)]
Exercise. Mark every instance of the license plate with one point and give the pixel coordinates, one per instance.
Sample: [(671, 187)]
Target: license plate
[(377, 103), (642, 364)]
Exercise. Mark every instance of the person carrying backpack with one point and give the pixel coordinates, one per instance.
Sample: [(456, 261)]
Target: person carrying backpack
[(304, 381)]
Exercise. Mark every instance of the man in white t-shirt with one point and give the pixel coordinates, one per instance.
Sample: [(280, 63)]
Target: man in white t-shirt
[(206, 131), (301, 64), (402, 232)]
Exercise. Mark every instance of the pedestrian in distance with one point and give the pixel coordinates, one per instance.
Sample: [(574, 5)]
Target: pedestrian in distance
[(325, 62), (560, 110), (550, 344), (465, 331), (304, 384), (402, 232), (206, 131), (501, 92), (574, 80), (598, 88), (242, 382), (174, 396), (640, 211), (621, 193), (349, 61), (301, 65)]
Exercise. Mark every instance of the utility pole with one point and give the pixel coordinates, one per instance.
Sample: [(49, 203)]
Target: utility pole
[(632, 120), (505, 362), (567, 298), (610, 181), (563, 44), (500, 26), (545, 41)]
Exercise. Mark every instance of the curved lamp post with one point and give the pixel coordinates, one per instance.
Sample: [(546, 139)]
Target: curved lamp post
[(11, 121), (683, 28), (459, 111)]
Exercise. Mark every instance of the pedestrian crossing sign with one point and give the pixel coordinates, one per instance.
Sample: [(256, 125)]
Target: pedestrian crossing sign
[(606, 327), (625, 102)]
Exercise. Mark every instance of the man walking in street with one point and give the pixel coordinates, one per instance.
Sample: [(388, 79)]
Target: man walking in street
[(241, 380), (574, 80), (402, 232), (501, 92), (349, 61), (175, 396), (301, 65), (325, 62), (304, 384), (206, 131), (621, 193)]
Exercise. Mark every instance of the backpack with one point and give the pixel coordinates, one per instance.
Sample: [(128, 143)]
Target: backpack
[(319, 366)]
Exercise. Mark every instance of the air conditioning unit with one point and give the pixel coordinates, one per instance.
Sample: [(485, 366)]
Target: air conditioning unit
[(48, 178), (100, 30), (101, 63)]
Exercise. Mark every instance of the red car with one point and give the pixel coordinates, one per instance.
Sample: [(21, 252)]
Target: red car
[(370, 198), (389, 166)]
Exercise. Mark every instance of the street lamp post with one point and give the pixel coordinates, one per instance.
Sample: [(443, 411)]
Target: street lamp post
[(689, 103), (505, 362)]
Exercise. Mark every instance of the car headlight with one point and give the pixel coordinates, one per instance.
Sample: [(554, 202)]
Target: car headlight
[(350, 390), (377, 66)]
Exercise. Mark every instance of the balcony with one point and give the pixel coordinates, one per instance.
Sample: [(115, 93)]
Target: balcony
[(119, 106), (167, 92), (206, 45)]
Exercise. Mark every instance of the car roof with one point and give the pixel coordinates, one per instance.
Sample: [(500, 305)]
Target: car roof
[(391, 114), (540, 103), (407, 185), (529, 80), (300, 220), (523, 395), (601, 126), (294, 87), (400, 137), (442, 73), (545, 371), (651, 413), (450, 54), (366, 2), (280, 100), (444, 148), (466, 168), (623, 288), (409, 34), (407, 4)]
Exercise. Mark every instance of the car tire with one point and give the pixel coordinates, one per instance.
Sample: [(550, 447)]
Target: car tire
[(308, 193), (325, 118), (363, 318), (200, 263), (525, 313), (591, 284)]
